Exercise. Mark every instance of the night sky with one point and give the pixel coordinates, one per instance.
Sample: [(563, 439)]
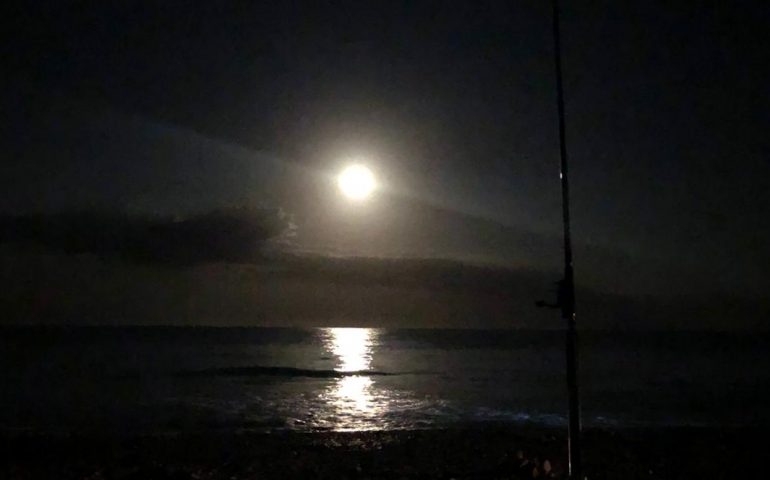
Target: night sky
[(183, 107)]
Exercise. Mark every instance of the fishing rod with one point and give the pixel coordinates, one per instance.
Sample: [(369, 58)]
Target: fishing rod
[(566, 290)]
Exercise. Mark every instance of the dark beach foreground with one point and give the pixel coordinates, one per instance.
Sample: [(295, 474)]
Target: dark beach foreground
[(673, 453)]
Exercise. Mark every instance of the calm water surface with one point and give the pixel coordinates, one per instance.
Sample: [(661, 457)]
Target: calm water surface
[(129, 380)]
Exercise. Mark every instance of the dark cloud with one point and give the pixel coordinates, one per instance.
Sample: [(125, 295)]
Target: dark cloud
[(232, 235)]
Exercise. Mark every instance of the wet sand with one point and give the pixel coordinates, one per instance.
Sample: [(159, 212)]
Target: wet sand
[(674, 453)]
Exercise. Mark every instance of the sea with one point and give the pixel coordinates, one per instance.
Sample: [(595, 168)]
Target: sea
[(149, 380)]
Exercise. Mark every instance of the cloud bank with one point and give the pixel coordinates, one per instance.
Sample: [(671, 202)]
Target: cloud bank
[(230, 235)]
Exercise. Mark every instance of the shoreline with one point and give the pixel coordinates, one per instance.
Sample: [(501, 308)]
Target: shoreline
[(467, 452)]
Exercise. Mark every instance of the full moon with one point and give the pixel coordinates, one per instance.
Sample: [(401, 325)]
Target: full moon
[(356, 182)]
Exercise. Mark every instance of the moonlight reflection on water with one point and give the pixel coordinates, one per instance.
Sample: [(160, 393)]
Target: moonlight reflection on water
[(353, 397)]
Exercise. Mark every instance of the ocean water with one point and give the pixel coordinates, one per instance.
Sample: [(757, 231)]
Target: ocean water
[(152, 380)]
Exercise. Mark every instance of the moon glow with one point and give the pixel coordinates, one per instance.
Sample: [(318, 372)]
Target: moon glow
[(356, 182)]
